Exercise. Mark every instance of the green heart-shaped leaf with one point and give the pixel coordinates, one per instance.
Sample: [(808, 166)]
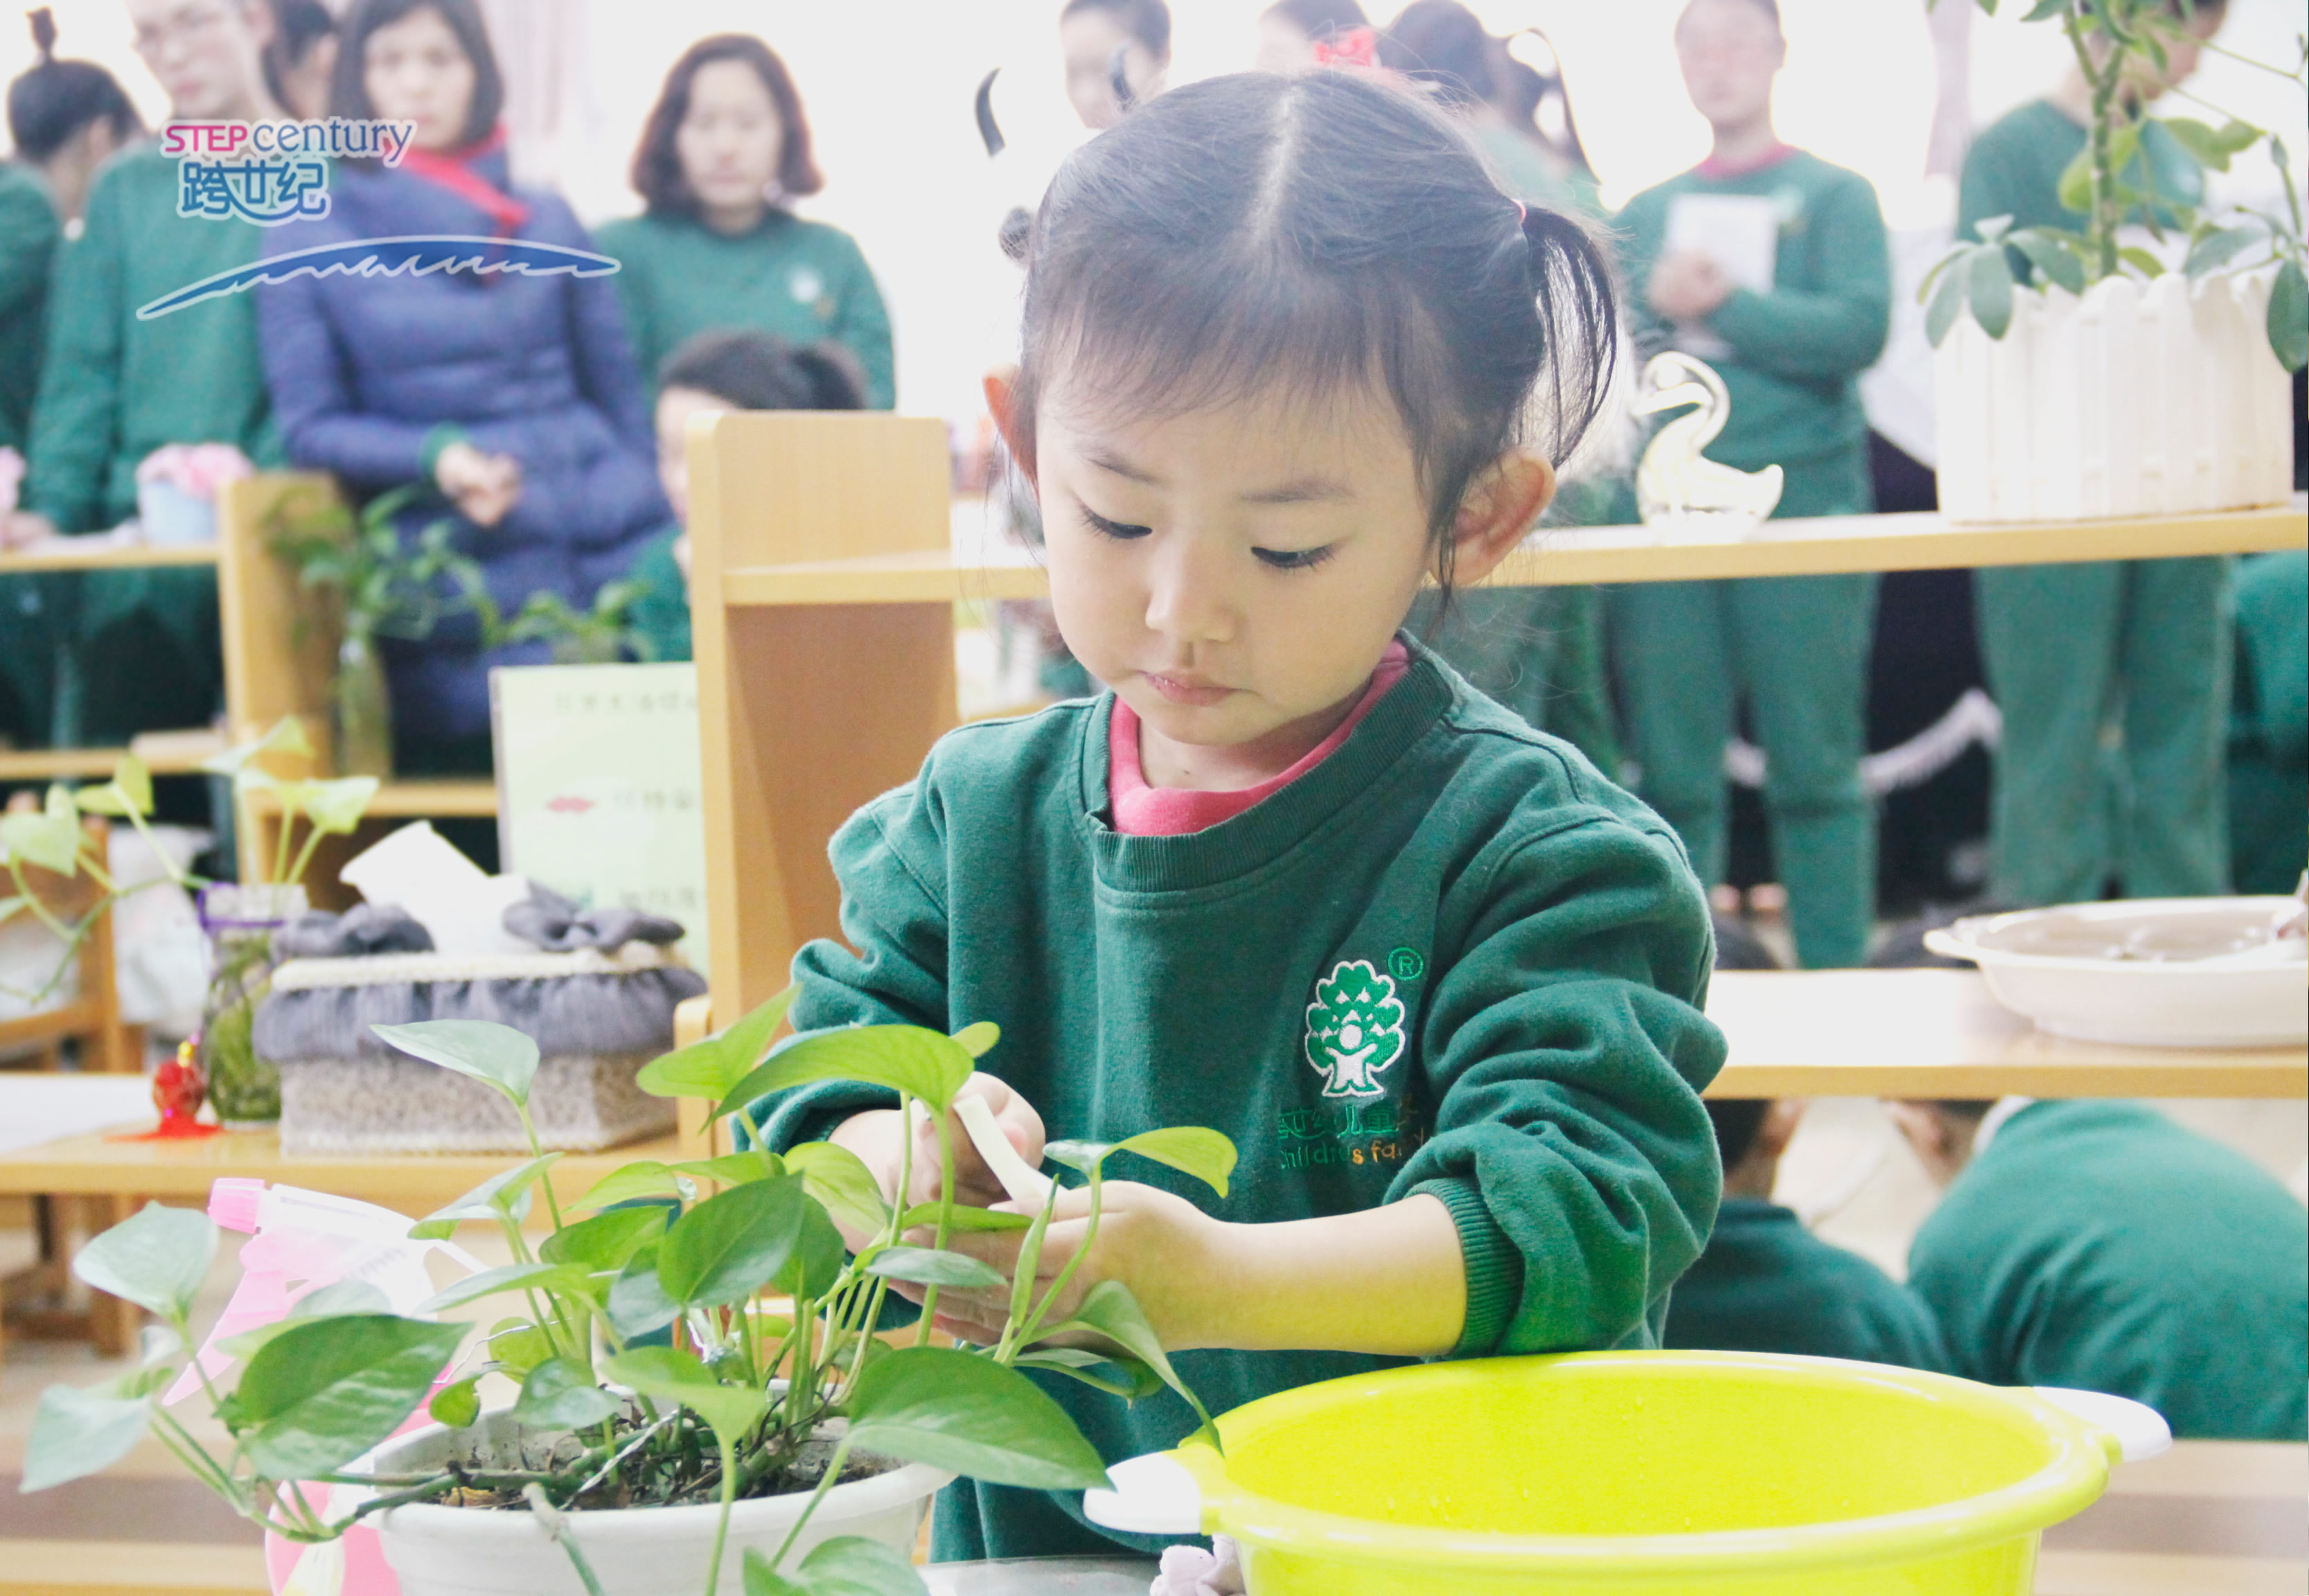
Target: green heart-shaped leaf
[(710, 1068), (671, 1374), (644, 1177), (1109, 1310), (911, 1059), (327, 1390), (79, 1433), (929, 1266), (607, 1242), (495, 1055), (729, 1248), (838, 1179), (560, 1395), (156, 1258), (846, 1565), (512, 1277), (638, 1305), (500, 1195), (957, 1410)]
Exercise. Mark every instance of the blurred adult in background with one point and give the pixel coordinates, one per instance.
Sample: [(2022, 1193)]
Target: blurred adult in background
[(2144, 643), (1772, 265), (64, 119), (516, 397), (713, 373), (1539, 651), (142, 645), (1101, 39), (302, 60), (1289, 30), (726, 150), (1529, 91)]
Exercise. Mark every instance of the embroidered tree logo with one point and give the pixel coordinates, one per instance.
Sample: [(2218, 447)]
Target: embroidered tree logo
[(1355, 1030)]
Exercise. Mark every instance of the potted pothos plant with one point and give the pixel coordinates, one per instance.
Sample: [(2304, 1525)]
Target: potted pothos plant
[(2125, 380), (675, 1429)]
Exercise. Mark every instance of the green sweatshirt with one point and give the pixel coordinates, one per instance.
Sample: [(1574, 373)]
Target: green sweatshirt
[(1766, 1284), (2100, 1246), (1523, 944), (28, 247), (2014, 169), (1798, 351), (802, 281)]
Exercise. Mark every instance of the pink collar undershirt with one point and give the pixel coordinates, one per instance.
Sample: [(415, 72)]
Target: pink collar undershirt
[(1144, 811), (1719, 169)]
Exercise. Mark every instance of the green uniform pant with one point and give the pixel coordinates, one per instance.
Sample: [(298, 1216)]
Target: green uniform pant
[(1797, 648), (1537, 650), (2072, 651)]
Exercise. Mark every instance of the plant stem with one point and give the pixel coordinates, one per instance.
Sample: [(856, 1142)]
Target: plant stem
[(945, 1217), (281, 855), (722, 1524), (1051, 1298), (824, 1483), (304, 854), (2100, 225)]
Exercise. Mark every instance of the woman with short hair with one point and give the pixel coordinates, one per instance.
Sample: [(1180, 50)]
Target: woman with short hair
[(725, 151)]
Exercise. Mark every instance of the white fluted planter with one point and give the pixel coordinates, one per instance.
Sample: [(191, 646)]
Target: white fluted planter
[(634, 1551), (2156, 399)]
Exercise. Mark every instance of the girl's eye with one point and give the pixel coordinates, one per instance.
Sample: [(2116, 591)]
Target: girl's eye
[(1295, 559), (1120, 530)]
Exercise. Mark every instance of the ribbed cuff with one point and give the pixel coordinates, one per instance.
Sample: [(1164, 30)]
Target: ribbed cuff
[(438, 438), (1495, 1267)]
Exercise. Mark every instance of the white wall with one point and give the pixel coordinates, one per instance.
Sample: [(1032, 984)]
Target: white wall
[(887, 83)]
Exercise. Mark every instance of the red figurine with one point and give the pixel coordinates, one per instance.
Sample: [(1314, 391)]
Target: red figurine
[(180, 1088)]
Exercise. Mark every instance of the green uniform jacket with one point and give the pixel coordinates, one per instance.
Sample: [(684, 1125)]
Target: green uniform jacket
[(1521, 945), (28, 247), (1798, 351), (2014, 169), (660, 618), (1766, 1284), (802, 281), (113, 389), (2269, 731), (2100, 1245)]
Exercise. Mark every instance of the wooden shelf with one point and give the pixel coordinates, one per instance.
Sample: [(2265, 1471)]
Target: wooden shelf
[(1937, 1033), (57, 555), (1617, 554), (412, 800), (50, 764), (180, 1172)]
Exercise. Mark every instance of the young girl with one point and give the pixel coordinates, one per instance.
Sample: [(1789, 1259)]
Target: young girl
[(1286, 353)]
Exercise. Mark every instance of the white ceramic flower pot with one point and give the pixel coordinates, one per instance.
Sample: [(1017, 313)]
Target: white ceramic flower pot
[(2161, 398), (641, 1551)]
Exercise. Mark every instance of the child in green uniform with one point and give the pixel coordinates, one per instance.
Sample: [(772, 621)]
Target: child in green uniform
[(2063, 645), (2101, 1247), (113, 388), (1292, 878), (712, 372), (1790, 354), (1766, 1284), (726, 147), (2269, 730)]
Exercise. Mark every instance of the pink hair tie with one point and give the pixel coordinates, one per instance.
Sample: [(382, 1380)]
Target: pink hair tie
[(1357, 47)]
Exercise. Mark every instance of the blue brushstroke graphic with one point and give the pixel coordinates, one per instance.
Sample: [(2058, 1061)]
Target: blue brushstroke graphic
[(389, 257)]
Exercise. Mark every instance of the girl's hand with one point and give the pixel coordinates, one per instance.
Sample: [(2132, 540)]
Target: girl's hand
[(1688, 287), (484, 486), (878, 1138), (1169, 1254)]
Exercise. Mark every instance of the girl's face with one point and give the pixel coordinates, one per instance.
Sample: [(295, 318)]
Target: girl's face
[(731, 141), (1730, 51), (1089, 40), (676, 408), (416, 71), (1235, 573)]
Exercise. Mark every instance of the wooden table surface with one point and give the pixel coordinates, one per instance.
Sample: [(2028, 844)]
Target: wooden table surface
[(180, 1172), (58, 554), (1920, 542), (1938, 1033)]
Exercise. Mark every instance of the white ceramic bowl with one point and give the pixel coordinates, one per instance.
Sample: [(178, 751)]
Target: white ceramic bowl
[(2145, 971)]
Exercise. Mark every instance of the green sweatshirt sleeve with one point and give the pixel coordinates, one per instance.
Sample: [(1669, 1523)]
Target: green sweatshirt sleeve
[(1993, 184), (76, 419), (1566, 1051), (1835, 326), (862, 324), (28, 241)]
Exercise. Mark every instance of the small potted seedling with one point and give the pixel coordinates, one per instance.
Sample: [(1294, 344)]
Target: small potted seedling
[(676, 1430), (2118, 385)]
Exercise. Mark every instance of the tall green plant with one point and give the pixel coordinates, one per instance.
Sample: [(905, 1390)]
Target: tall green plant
[(2117, 43), (721, 1414)]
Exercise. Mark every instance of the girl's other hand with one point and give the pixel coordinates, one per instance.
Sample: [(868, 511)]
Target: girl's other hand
[(974, 1183), (1688, 287), (1167, 1251), (485, 487)]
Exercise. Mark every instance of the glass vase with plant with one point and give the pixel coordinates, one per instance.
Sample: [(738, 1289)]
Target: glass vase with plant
[(383, 587), (652, 1369)]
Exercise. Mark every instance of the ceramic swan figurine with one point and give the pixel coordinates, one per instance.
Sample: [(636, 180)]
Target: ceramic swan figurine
[(1675, 484)]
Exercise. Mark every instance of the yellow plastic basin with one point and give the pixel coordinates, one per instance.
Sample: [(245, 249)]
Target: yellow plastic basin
[(1637, 1471)]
